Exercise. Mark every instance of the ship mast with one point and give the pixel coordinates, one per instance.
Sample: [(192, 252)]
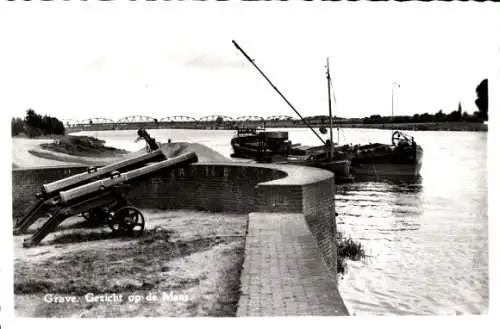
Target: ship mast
[(394, 85), (335, 101), (329, 108), (272, 85)]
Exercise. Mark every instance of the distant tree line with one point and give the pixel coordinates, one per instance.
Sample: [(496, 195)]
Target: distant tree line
[(440, 116), (455, 116), (34, 125)]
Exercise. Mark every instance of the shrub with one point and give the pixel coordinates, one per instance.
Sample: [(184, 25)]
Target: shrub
[(347, 248)]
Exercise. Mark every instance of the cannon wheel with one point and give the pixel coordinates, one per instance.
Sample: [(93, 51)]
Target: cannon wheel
[(127, 219)]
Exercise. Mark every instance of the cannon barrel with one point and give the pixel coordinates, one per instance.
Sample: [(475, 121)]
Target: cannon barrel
[(78, 179), (87, 189)]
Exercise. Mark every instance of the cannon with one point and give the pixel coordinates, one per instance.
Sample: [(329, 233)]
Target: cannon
[(151, 143), (106, 199), (51, 190)]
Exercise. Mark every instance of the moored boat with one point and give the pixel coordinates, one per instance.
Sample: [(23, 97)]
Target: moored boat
[(256, 143), (274, 147), (401, 158), (319, 157)]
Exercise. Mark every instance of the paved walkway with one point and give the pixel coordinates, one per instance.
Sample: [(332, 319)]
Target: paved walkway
[(283, 273)]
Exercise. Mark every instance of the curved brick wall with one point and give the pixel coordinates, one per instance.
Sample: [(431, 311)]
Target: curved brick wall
[(220, 187)]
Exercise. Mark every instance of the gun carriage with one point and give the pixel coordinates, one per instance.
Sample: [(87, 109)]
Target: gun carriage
[(49, 193), (99, 194)]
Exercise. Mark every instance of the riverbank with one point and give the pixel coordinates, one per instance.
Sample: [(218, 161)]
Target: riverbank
[(82, 146), (423, 126), (283, 124), (31, 153)]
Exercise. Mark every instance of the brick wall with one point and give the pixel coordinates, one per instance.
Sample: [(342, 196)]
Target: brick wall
[(217, 187), (319, 212), (27, 182), (211, 187), (277, 198)]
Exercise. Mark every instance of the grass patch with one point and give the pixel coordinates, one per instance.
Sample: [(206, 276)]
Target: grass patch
[(82, 146), (78, 237), (196, 254), (227, 300), (134, 266), (347, 248)]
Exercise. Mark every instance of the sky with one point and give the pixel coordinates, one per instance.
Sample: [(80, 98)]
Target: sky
[(112, 60)]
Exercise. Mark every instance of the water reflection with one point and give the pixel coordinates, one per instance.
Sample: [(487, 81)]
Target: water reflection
[(400, 184), (426, 236)]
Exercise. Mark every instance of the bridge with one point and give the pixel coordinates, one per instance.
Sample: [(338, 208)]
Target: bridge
[(137, 118), (216, 118), (214, 121), (250, 118), (280, 118), (178, 118)]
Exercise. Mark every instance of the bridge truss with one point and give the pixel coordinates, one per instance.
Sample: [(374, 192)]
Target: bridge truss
[(70, 122), (179, 118), (213, 118), (279, 118), (95, 121), (136, 118), (250, 118)]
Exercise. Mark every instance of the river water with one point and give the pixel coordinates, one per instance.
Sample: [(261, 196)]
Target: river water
[(426, 240)]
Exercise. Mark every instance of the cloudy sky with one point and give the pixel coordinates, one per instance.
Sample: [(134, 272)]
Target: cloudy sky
[(79, 60)]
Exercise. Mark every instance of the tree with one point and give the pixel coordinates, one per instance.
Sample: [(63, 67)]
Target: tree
[(373, 119), (47, 124), (219, 120), (454, 116), (482, 99), (426, 117), (17, 126), (33, 120), (36, 125), (440, 116), (57, 126)]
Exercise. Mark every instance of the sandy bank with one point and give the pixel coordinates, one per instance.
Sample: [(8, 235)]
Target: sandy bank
[(204, 153), (22, 158), (193, 255), (27, 153)]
